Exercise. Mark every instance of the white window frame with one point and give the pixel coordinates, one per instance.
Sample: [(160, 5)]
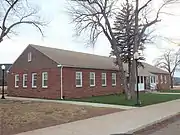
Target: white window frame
[(29, 56), (34, 86), (43, 79), (16, 79), (114, 78), (76, 77), (103, 76), (25, 75), (92, 77)]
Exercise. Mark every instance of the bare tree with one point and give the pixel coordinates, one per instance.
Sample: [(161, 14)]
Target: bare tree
[(15, 13), (169, 61), (94, 17), (142, 14)]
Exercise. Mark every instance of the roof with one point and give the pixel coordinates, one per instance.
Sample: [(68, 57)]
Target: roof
[(85, 60), (154, 69), (77, 59)]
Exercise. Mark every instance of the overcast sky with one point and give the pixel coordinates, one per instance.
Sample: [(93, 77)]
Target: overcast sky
[(59, 34)]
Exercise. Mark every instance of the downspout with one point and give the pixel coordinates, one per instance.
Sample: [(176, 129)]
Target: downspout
[(61, 82)]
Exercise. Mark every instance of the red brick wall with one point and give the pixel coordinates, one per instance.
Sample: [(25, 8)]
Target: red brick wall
[(70, 90), (53, 90), (162, 85), (69, 86)]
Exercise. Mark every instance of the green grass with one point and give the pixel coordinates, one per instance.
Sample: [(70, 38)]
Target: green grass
[(171, 91), (146, 99)]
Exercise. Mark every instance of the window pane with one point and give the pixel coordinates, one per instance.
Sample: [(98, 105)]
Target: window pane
[(141, 79), (45, 82), (103, 78), (24, 80), (113, 81), (78, 81), (45, 76), (103, 81), (91, 81), (16, 80), (113, 78), (78, 78), (92, 78)]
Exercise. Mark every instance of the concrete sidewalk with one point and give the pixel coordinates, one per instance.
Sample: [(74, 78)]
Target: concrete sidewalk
[(116, 123), (74, 102), (166, 93)]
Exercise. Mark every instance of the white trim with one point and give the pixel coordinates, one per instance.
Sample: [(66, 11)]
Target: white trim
[(34, 86), (114, 75), (24, 75), (43, 74), (80, 73), (15, 80), (61, 80), (103, 76), (92, 73), (29, 56)]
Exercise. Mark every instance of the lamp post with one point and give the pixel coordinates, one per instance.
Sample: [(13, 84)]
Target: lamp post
[(136, 58), (3, 68)]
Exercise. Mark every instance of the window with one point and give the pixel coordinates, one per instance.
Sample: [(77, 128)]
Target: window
[(165, 79), (103, 77), (161, 79), (78, 79), (92, 79), (138, 79), (113, 79), (44, 79), (34, 80), (29, 56), (153, 79), (142, 79), (17, 81), (24, 80)]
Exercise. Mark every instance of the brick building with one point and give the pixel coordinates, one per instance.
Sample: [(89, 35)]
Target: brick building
[(44, 72)]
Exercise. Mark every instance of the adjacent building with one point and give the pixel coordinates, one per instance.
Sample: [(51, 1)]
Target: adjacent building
[(44, 72)]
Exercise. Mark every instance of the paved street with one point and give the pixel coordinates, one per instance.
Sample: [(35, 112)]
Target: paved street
[(171, 129)]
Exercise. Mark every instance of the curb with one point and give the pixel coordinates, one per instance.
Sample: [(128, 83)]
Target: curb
[(152, 123)]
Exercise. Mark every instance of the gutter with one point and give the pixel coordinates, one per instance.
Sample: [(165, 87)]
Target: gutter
[(61, 83)]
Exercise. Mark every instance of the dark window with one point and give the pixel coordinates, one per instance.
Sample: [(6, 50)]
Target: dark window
[(141, 79)]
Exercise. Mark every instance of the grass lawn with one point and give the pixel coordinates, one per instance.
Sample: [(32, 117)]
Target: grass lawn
[(171, 91), (20, 116), (146, 99)]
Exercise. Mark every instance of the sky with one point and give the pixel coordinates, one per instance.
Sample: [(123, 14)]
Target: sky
[(59, 34)]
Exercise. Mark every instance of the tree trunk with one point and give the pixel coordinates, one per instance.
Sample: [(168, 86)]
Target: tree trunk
[(133, 79), (172, 82), (122, 75), (123, 78)]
